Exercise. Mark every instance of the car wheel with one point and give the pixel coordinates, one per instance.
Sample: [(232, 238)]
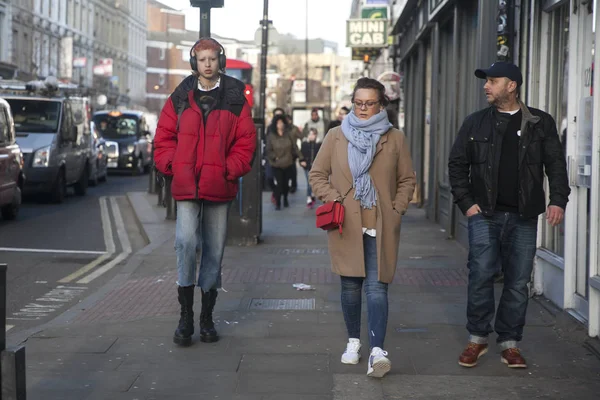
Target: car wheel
[(10, 211), (82, 184), (94, 177), (59, 191)]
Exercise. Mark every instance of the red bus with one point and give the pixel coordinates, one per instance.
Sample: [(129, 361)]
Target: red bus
[(243, 71)]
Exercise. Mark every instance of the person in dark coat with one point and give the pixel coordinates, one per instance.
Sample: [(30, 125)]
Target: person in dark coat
[(309, 151)]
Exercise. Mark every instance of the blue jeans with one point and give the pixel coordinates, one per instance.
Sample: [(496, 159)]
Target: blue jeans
[(201, 226), (377, 300), (308, 188), (507, 238)]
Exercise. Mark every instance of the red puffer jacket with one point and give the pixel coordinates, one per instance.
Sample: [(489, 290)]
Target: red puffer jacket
[(205, 159)]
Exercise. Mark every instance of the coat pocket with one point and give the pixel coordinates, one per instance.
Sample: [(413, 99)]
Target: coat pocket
[(478, 149)]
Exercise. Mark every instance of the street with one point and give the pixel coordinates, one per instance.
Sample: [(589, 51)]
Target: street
[(58, 253)]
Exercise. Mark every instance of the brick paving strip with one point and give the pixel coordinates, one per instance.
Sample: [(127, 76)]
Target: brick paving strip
[(155, 296)]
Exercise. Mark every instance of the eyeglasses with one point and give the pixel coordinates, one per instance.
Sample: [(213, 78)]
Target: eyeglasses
[(368, 104)]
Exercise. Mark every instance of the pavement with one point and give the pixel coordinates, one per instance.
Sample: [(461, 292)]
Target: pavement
[(280, 343)]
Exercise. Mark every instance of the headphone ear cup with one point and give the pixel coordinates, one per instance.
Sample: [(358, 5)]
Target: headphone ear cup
[(222, 61), (194, 64)]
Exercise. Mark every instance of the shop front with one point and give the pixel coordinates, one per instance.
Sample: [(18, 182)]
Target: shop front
[(566, 269)]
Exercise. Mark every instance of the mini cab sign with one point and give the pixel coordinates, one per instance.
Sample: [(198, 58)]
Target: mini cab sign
[(366, 33)]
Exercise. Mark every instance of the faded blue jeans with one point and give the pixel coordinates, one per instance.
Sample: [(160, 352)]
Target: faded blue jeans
[(201, 227), (377, 299), (512, 240), (308, 188)]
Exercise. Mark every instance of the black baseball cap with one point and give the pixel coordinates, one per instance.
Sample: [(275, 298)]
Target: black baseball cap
[(501, 69)]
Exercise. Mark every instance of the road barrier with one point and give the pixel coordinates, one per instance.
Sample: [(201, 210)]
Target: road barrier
[(12, 360)]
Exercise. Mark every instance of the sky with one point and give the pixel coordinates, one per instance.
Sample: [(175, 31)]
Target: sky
[(239, 19)]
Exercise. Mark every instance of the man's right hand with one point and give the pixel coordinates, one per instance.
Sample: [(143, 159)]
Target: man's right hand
[(473, 210)]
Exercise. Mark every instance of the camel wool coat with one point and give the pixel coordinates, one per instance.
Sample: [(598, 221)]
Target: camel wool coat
[(394, 179)]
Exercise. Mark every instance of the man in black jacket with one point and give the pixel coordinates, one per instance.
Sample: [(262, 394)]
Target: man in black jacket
[(496, 170)]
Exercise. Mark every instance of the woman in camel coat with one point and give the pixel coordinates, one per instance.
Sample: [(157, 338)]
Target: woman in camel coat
[(369, 160)]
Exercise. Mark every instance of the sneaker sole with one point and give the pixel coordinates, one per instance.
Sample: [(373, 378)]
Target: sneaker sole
[(380, 369), (483, 352), (350, 362), (505, 361)]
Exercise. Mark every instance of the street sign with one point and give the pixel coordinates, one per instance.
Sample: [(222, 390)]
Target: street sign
[(366, 33), (374, 13), (105, 68), (79, 62), (299, 85), (358, 53)]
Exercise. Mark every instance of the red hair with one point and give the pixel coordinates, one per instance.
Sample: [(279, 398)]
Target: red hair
[(207, 44)]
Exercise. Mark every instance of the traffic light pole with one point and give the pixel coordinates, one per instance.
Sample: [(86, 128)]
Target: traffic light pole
[(204, 20), (205, 6), (263, 61)]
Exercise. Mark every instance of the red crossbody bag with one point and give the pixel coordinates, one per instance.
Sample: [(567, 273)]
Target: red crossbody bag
[(331, 215)]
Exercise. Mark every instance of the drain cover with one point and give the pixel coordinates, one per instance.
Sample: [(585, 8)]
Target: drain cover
[(299, 251), (282, 304)]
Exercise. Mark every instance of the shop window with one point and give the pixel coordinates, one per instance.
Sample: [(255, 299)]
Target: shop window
[(557, 83)]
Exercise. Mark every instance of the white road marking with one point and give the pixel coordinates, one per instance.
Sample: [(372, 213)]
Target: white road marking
[(56, 251), (57, 298), (9, 327), (123, 238), (108, 241)]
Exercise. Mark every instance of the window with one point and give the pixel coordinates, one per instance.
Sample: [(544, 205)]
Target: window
[(35, 116), (554, 237), (162, 54), (161, 79), (15, 46)]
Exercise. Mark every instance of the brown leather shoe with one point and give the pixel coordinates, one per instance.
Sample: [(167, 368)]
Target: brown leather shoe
[(513, 358), (471, 354)]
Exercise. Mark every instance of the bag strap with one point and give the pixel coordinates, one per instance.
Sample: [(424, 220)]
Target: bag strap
[(344, 196)]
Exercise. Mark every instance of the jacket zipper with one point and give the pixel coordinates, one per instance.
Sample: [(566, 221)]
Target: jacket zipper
[(198, 173)]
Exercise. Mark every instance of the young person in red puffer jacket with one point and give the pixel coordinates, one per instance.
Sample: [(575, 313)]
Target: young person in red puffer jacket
[(205, 140)]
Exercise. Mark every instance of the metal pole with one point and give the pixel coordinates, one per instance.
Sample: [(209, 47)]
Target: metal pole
[(204, 20), (170, 201), (263, 61), (306, 55), (3, 268)]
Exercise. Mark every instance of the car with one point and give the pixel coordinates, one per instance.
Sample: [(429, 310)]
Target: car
[(128, 139), (11, 165), (56, 153), (99, 160)]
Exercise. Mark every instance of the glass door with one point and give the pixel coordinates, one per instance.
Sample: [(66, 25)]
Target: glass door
[(581, 164)]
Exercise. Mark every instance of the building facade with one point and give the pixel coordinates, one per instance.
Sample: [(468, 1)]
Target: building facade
[(67, 38), (7, 68), (437, 46)]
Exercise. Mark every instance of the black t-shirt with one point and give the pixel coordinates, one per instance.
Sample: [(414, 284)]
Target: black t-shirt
[(508, 174), (206, 100)]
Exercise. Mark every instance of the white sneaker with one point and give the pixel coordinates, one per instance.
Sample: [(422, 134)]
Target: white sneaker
[(352, 353), (379, 364)]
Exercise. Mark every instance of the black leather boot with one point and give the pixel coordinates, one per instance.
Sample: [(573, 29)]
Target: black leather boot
[(208, 334), (185, 329)]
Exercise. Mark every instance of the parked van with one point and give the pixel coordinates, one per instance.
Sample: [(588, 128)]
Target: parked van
[(11, 165), (56, 153)]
